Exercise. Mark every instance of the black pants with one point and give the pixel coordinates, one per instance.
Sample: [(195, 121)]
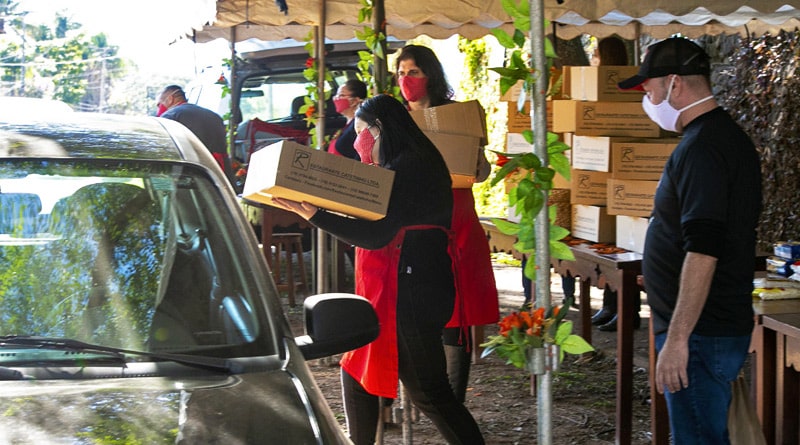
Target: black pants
[(423, 308)]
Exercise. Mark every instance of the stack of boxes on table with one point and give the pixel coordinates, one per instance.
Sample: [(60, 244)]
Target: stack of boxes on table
[(298, 172), (617, 154)]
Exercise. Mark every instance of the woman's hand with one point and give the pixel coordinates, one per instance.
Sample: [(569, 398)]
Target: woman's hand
[(304, 209)]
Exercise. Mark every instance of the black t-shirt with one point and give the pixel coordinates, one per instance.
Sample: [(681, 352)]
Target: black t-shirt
[(707, 201)]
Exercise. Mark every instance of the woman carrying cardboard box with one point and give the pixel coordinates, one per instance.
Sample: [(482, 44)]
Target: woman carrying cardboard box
[(404, 267), (423, 85)]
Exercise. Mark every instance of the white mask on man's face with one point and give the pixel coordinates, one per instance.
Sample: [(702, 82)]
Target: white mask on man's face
[(664, 114)]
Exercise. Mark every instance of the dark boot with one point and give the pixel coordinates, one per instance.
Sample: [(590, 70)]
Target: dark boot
[(611, 326), (609, 310), (458, 363)]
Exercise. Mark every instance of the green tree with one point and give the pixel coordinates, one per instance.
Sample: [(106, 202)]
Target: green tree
[(66, 65)]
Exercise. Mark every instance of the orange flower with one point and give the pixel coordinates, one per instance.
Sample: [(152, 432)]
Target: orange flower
[(310, 62), (509, 322), (310, 111)]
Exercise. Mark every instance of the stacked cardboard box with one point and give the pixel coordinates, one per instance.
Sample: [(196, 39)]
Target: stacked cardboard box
[(618, 154), (458, 130)]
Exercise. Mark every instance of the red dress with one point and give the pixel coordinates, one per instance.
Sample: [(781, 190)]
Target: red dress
[(476, 289), (375, 365)]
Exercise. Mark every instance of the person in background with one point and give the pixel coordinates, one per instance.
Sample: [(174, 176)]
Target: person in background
[(701, 242), (346, 101), (403, 266), (610, 51), (204, 123), (423, 84)]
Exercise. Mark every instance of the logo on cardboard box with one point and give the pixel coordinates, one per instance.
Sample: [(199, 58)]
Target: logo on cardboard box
[(302, 159), (584, 181), (627, 155), (619, 192), (613, 78)]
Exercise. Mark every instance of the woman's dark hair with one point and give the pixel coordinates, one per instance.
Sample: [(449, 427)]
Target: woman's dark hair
[(439, 90), (357, 88), (612, 51), (398, 131)]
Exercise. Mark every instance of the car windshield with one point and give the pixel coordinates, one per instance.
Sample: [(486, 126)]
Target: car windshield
[(125, 254)]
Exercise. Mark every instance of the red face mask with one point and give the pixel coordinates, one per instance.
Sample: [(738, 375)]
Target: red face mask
[(341, 104), (161, 110), (413, 88), (364, 144)]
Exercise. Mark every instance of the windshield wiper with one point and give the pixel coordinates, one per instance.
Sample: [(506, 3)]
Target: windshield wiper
[(213, 363)]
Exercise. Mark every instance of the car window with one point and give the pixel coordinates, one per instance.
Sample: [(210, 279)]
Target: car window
[(132, 255)]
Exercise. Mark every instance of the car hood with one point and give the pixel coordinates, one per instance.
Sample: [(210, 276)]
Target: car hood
[(262, 407)]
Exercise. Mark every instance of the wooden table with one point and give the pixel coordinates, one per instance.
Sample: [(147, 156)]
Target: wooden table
[(778, 363), (619, 272)]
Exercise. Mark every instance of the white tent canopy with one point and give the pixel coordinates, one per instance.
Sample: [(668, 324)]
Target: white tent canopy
[(474, 18)]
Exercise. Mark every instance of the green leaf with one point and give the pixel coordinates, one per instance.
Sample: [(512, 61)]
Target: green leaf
[(528, 135), (503, 38), (519, 37), (575, 344), (557, 232), (530, 268), (544, 174), (506, 227), (560, 250), (560, 164)]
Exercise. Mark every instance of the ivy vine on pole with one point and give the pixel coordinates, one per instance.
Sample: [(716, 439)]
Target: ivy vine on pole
[(530, 193)]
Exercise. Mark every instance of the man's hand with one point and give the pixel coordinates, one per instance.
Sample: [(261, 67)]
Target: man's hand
[(304, 209), (673, 361)]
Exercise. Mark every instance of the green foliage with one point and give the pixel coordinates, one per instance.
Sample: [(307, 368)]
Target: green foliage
[(80, 68), (528, 196)]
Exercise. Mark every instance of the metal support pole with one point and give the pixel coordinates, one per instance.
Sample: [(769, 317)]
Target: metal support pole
[(234, 96), (541, 223), (381, 72)]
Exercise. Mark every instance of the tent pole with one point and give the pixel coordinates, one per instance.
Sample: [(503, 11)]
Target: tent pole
[(541, 227), (319, 46), (232, 123), (379, 63)]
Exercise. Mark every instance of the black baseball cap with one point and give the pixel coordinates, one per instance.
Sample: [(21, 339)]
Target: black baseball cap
[(675, 55)]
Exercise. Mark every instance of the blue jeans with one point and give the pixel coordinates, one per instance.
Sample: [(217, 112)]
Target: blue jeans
[(699, 414)]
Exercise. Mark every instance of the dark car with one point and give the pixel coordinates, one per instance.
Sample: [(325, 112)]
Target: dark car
[(130, 312)]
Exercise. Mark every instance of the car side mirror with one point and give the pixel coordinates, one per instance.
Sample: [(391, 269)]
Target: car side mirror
[(336, 323)]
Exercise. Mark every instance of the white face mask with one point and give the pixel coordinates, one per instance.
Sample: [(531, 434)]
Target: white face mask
[(664, 114)]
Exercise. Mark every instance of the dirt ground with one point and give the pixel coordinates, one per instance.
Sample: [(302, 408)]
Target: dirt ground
[(502, 398)]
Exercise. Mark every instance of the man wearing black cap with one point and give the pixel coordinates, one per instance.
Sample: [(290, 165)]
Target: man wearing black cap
[(700, 245)]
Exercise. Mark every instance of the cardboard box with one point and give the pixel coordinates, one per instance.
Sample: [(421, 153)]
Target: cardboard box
[(293, 171), (519, 121), (462, 118), (631, 197), (592, 223), (459, 152), (625, 119), (631, 232), (516, 143), (589, 187), (599, 83), (642, 159), (592, 153)]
